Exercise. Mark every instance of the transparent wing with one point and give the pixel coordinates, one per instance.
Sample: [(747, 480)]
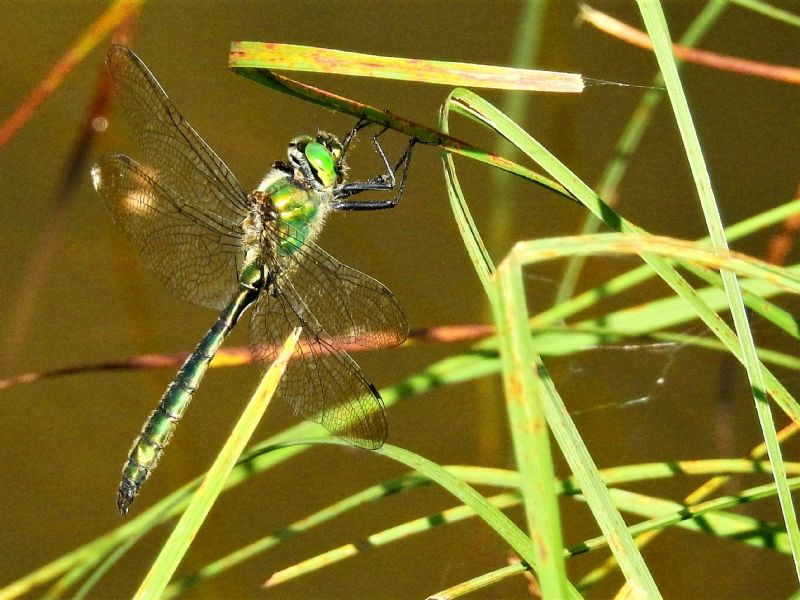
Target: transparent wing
[(186, 166), (351, 307), (194, 252), (322, 383)]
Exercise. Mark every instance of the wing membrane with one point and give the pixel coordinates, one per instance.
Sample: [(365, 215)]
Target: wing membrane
[(351, 307), (195, 253), (322, 383), (186, 165)]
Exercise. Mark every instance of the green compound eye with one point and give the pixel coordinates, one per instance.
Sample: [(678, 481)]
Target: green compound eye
[(322, 161)]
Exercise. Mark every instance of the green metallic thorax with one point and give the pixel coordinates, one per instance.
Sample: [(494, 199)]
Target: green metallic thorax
[(283, 205)]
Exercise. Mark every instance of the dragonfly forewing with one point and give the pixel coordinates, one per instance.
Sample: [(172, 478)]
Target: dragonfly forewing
[(187, 166), (193, 252)]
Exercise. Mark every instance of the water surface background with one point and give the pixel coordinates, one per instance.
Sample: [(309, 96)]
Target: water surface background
[(72, 291)]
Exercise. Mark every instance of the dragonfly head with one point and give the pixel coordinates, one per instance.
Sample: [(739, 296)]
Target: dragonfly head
[(318, 159)]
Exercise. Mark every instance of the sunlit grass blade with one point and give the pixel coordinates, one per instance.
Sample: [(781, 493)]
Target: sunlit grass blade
[(594, 334), (756, 292), (477, 583), (685, 513), (529, 252), (371, 494), (548, 401), (770, 11), (719, 523), (213, 483), (626, 243), (97, 574), (464, 101), (656, 24), (527, 394), (268, 55), (529, 431), (388, 536), (666, 312), (512, 535), (476, 249)]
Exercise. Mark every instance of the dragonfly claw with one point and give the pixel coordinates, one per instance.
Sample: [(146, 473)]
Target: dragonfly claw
[(125, 495)]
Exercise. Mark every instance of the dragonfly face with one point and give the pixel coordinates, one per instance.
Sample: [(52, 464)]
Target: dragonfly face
[(214, 245), (318, 161)]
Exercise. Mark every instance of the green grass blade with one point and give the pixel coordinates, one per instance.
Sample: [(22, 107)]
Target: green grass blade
[(626, 243), (477, 583), (103, 568), (268, 55), (577, 455), (719, 523), (656, 24), (182, 536), (529, 432), (476, 249), (388, 536), (769, 11), (653, 246), (521, 543), (757, 294), (695, 511), (483, 111), (629, 140), (371, 494)]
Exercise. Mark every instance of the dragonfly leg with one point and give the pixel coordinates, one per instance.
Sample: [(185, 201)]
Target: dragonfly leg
[(351, 135), (386, 182)]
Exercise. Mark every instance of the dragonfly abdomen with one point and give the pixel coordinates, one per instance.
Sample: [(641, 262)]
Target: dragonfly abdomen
[(159, 427)]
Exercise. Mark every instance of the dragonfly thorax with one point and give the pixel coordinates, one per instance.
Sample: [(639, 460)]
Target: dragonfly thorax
[(289, 206)]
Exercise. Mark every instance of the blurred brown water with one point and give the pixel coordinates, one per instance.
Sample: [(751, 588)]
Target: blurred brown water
[(73, 291)]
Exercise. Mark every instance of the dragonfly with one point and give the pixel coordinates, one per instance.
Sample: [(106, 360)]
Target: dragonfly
[(214, 245)]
